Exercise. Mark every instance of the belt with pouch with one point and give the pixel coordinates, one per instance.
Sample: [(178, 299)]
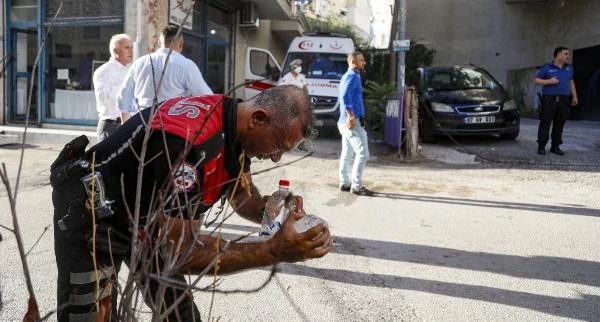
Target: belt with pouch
[(117, 121), (557, 98)]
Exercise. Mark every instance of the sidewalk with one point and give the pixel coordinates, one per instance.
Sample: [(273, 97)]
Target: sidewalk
[(14, 134)]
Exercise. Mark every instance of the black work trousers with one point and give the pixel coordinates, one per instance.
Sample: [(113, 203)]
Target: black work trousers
[(80, 283), (555, 112)]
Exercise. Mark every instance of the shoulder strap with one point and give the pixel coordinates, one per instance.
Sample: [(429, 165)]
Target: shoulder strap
[(210, 148), (155, 99)]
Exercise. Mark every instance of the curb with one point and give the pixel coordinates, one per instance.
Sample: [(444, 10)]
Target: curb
[(45, 136)]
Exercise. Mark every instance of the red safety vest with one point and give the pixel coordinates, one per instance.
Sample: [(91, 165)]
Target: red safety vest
[(197, 119)]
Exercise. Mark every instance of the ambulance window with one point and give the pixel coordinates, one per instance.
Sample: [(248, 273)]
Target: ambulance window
[(261, 64)]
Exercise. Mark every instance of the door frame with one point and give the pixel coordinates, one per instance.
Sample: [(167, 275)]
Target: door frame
[(255, 83), (11, 28), (15, 75), (210, 41)]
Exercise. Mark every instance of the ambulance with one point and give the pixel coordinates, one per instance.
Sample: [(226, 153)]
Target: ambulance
[(324, 61)]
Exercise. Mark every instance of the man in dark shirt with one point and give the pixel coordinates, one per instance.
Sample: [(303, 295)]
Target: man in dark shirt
[(198, 152), (558, 91)]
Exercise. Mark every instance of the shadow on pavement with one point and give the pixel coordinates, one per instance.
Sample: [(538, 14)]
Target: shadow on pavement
[(569, 210), (583, 308), (557, 269), (18, 146), (535, 267)]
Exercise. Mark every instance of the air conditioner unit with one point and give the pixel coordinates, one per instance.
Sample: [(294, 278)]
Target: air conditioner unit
[(248, 16)]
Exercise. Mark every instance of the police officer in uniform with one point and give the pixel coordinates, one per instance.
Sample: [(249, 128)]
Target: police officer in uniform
[(196, 151), (558, 92)]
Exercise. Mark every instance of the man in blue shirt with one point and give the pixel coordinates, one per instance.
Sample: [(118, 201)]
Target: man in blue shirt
[(355, 144), (558, 91)]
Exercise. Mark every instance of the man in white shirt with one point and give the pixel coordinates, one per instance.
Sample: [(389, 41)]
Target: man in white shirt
[(182, 77), (295, 76), (107, 82)]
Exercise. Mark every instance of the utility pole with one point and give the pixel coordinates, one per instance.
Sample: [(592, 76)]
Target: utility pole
[(393, 60), (401, 35), (138, 49)]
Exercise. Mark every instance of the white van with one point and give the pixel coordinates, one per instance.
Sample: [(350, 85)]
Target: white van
[(324, 61)]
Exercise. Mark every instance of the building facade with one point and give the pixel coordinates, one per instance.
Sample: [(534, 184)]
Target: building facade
[(73, 39), (371, 19)]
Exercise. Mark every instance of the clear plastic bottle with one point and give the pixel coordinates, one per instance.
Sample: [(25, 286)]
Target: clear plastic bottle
[(307, 222), (277, 209)]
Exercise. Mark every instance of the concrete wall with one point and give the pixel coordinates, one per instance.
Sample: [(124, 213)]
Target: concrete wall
[(522, 89), (574, 24), (490, 34), (499, 36)]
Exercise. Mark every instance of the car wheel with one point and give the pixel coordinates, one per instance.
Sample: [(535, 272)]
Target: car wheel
[(328, 132), (426, 137), (509, 136)]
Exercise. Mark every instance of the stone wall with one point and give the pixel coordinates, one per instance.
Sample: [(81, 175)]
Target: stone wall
[(521, 88)]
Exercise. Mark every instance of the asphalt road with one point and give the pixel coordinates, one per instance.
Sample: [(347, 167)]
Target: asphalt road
[(581, 145), (482, 230)]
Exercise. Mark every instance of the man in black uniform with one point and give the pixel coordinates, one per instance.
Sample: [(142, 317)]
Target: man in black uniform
[(197, 148), (558, 91)]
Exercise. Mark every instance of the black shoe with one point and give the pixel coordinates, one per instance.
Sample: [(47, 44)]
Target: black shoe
[(557, 150), (362, 191), (541, 151), (302, 147), (345, 188)]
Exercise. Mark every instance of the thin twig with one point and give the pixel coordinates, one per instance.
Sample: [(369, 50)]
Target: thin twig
[(17, 232), (32, 313), (30, 95), (5, 227), (38, 240)]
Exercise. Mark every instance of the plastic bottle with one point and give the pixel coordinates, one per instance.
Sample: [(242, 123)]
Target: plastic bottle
[(277, 209), (307, 222)]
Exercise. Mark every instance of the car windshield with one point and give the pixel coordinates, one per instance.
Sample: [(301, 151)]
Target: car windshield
[(459, 78), (319, 65)]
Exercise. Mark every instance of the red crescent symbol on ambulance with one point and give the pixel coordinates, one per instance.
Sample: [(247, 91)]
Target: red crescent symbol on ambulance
[(305, 45)]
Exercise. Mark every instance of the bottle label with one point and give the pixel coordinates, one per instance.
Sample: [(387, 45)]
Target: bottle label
[(270, 230)]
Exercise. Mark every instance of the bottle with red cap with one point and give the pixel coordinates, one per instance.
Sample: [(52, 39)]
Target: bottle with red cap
[(277, 208)]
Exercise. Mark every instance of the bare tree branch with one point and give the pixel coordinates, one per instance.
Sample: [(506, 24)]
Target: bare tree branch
[(32, 313)]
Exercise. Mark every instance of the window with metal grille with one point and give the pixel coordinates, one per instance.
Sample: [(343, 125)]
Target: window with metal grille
[(85, 8)]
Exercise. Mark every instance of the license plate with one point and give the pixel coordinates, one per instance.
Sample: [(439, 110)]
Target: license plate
[(480, 119), (318, 122)]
